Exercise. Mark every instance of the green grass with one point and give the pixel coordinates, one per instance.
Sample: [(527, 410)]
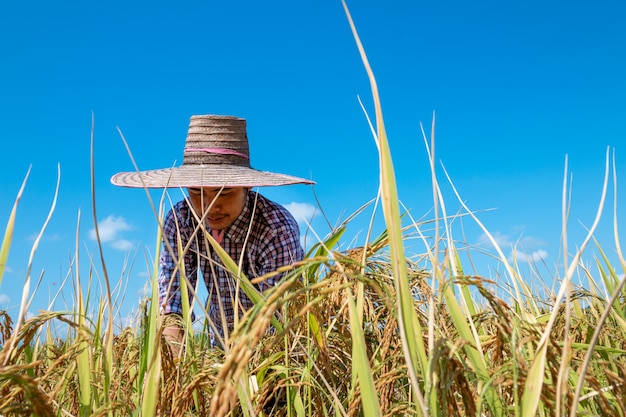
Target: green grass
[(362, 332)]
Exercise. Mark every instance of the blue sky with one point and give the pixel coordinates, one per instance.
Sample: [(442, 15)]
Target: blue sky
[(516, 87)]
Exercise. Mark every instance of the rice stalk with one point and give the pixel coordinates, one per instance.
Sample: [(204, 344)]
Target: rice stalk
[(566, 352), (107, 357), (83, 358), (413, 346), (246, 337), (361, 368), (534, 382), (460, 307), (616, 292), (151, 353)]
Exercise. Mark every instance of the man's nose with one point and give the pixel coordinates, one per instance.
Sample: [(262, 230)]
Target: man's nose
[(213, 206)]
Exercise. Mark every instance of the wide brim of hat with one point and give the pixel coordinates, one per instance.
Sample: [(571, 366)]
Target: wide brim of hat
[(204, 176)]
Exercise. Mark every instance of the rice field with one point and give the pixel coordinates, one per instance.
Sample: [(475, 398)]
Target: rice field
[(363, 332)]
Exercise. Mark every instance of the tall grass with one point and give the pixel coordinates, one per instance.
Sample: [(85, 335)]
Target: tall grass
[(359, 331)]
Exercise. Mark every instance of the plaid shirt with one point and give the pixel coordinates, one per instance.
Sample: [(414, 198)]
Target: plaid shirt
[(273, 241)]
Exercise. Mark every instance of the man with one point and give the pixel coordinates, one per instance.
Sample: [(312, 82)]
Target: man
[(258, 234)]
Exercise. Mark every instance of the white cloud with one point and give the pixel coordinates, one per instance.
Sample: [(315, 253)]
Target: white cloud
[(55, 237), (110, 230), (531, 242), (536, 256), (302, 212), (503, 241), (526, 249), (4, 299), (122, 244)]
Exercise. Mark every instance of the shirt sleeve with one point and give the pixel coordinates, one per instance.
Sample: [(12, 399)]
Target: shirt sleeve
[(169, 275)]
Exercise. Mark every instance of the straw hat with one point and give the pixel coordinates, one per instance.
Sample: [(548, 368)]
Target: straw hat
[(216, 155)]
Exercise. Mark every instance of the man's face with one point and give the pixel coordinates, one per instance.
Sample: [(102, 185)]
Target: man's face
[(224, 205)]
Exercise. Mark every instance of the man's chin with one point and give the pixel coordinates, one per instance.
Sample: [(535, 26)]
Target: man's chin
[(217, 225)]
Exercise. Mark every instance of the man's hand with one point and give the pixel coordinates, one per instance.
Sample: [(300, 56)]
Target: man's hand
[(173, 335)]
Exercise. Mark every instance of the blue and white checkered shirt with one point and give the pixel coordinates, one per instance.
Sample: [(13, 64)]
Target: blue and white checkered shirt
[(265, 233)]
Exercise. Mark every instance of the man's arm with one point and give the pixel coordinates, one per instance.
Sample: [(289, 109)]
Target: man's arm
[(169, 280)]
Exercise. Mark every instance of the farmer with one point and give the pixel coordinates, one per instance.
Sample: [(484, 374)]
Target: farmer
[(258, 234)]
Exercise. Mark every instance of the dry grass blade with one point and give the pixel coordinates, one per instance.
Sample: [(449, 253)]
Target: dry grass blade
[(361, 367), (536, 376), (413, 346), (532, 390), (151, 359), (609, 308), (108, 335), (8, 232), (83, 360), (244, 341), (25, 292)]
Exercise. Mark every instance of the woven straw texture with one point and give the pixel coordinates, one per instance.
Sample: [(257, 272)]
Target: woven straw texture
[(216, 155)]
